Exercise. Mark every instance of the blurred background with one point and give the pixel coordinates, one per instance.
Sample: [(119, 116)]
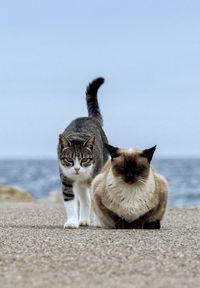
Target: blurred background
[(149, 54)]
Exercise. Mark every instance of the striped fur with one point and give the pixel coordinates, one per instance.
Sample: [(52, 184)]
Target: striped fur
[(82, 154), (92, 101), (67, 189)]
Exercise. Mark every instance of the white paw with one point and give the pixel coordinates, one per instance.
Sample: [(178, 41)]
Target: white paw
[(84, 222), (96, 222), (70, 224)]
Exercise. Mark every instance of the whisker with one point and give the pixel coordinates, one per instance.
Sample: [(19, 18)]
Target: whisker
[(141, 181)]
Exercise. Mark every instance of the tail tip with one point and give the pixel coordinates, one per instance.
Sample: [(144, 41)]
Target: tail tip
[(99, 80), (94, 85)]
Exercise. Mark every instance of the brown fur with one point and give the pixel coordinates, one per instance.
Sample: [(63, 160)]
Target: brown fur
[(136, 163), (129, 193)]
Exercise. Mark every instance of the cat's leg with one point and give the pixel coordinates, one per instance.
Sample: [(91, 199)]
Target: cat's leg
[(105, 216), (95, 220), (71, 205), (152, 219), (147, 221), (122, 224), (83, 194), (137, 224)]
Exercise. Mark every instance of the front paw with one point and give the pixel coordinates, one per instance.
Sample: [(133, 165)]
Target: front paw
[(137, 224), (121, 224), (71, 224), (84, 222), (96, 223)]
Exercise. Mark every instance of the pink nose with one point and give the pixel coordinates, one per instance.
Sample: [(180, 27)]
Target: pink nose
[(76, 170)]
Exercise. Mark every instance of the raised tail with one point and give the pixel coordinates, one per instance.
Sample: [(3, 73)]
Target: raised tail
[(92, 101)]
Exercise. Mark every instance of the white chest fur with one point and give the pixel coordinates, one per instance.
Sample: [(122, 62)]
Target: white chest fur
[(130, 201)]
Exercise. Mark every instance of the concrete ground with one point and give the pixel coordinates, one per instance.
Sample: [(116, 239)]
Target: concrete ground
[(35, 251)]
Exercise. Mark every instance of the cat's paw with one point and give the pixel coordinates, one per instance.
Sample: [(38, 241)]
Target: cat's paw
[(84, 222), (96, 223), (70, 224)]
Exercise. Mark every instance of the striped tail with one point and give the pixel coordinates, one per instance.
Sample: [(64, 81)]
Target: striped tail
[(92, 101)]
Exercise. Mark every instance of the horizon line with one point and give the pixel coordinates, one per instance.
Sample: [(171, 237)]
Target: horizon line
[(38, 158)]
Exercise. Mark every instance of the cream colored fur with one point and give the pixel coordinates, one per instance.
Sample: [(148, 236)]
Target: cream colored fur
[(129, 202)]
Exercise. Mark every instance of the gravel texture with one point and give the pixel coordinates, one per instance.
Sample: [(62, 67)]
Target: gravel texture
[(35, 251)]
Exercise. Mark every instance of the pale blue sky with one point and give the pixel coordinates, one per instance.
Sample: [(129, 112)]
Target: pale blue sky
[(148, 51)]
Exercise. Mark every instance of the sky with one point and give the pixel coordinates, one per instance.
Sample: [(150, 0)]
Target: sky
[(147, 51)]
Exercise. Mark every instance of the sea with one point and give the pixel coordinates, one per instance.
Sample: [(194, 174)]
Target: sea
[(41, 177)]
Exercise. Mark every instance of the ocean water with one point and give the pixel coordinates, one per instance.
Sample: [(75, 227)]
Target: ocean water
[(39, 177)]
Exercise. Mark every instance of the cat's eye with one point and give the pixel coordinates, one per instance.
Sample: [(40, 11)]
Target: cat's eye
[(70, 160), (121, 169), (84, 160), (139, 170)]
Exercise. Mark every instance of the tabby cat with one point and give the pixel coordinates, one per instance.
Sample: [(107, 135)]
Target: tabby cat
[(82, 154), (128, 192)]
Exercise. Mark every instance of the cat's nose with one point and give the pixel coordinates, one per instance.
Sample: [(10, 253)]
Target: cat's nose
[(77, 170), (129, 178)]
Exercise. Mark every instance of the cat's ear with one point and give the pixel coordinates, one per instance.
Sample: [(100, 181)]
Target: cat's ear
[(113, 151), (148, 153), (64, 142), (90, 142)]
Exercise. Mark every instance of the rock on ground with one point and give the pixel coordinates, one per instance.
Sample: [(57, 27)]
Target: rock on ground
[(35, 251), (14, 194)]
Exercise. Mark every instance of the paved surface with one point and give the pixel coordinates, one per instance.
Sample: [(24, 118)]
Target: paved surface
[(35, 251)]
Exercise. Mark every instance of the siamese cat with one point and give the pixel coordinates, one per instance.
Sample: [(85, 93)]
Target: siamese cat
[(81, 155), (128, 193)]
